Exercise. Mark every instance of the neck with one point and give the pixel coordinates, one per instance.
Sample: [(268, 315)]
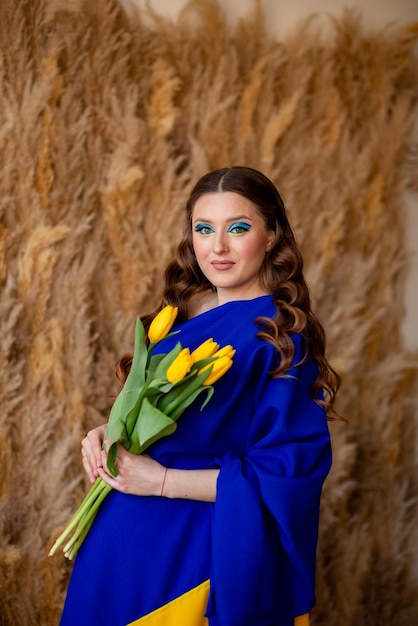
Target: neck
[(224, 296)]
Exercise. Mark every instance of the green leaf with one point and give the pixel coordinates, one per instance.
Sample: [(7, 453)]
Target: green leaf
[(119, 435), (154, 361), (124, 402), (199, 364), (158, 385), (164, 364), (179, 394), (171, 395), (111, 459), (150, 426), (210, 391), (131, 417), (185, 386), (179, 410), (136, 376), (152, 390), (127, 402)]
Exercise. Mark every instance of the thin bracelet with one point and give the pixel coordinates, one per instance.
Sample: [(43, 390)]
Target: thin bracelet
[(165, 476)]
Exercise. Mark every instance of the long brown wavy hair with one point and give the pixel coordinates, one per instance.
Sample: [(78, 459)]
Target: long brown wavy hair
[(281, 275)]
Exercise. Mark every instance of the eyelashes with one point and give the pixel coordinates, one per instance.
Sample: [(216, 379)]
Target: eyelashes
[(204, 229), (237, 228)]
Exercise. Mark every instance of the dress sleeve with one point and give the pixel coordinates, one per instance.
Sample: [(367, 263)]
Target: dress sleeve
[(267, 506)]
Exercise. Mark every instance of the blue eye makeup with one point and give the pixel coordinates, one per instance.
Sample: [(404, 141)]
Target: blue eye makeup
[(204, 229), (239, 228)]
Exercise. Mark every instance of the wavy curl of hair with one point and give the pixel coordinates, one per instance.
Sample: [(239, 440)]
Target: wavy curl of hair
[(281, 275)]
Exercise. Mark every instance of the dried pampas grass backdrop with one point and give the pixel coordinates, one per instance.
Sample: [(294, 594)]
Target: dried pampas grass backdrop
[(105, 124)]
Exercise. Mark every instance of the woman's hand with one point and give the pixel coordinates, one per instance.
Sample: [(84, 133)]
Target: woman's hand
[(141, 475), (138, 475), (91, 451)]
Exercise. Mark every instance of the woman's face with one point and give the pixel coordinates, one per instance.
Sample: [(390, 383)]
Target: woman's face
[(230, 241)]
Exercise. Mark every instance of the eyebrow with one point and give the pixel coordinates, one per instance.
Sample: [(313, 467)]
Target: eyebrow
[(233, 219)]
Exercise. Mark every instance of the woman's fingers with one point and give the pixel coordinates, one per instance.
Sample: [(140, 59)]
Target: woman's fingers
[(137, 474), (90, 469), (91, 449)]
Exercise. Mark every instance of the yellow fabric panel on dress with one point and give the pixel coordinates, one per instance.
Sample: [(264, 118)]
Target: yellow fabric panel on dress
[(302, 620), (187, 610)]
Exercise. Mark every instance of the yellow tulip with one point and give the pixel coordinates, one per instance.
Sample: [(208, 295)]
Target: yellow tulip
[(180, 367), (205, 350), (219, 368), (162, 323), (225, 351)]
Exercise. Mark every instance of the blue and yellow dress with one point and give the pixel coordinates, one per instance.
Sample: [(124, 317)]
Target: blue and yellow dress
[(249, 558)]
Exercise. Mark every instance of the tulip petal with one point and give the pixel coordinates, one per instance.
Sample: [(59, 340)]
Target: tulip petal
[(225, 351), (162, 323), (180, 367), (205, 350), (219, 368)]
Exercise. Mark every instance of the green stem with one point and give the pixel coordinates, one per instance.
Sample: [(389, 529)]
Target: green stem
[(71, 552), (183, 395), (92, 494), (87, 513), (71, 549)]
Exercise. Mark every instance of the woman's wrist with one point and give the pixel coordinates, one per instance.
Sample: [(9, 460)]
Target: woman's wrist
[(163, 483), (190, 484)]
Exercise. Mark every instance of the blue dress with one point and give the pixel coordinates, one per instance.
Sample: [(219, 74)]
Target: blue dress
[(257, 542)]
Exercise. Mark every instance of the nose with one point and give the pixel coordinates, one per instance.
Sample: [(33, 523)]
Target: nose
[(220, 244)]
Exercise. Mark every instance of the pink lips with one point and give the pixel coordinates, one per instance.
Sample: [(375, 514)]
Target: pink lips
[(222, 265)]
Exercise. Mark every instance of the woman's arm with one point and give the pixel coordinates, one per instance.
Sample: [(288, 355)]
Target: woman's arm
[(191, 484), (143, 476)]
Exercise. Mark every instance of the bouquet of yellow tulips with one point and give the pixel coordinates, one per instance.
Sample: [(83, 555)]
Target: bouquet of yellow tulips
[(158, 389)]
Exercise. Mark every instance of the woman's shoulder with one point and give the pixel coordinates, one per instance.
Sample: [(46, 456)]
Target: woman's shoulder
[(201, 303), (208, 301)]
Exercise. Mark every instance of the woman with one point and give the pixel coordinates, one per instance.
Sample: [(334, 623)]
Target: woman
[(218, 523)]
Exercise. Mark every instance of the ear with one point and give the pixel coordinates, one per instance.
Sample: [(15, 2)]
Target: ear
[(271, 235)]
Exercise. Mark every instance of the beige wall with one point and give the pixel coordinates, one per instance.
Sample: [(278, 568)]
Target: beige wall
[(282, 14)]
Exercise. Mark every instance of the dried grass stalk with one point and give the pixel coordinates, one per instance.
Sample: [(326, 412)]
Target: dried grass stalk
[(105, 123)]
